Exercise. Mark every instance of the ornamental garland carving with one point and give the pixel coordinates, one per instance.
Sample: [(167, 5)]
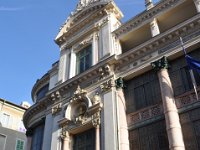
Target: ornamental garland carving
[(107, 85), (104, 71)]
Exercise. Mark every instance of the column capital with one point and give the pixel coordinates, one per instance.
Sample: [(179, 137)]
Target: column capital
[(160, 64), (29, 132), (120, 83)]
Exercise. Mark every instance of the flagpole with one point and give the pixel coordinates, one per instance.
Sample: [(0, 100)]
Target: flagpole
[(194, 83), (191, 71)]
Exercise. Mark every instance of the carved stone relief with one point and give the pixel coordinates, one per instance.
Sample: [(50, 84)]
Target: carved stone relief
[(81, 111)]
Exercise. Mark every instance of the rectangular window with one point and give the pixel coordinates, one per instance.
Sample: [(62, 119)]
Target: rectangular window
[(84, 59), (142, 91), (19, 145), (180, 76), (5, 120), (2, 141)]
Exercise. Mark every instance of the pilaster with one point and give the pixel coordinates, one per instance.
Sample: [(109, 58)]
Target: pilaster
[(173, 125), (121, 114), (109, 117), (47, 132), (72, 70)]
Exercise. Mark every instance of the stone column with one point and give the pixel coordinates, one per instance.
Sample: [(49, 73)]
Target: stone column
[(173, 125), (197, 4), (29, 134), (66, 141), (121, 110), (97, 142)]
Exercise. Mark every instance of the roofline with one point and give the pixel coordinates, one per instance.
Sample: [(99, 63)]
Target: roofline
[(8, 102)]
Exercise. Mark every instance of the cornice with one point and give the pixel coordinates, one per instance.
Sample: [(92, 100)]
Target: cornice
[(77, 25), (34, 110), (145, 16), (80, 21), (158, 46), (39, 84), (85, 76)]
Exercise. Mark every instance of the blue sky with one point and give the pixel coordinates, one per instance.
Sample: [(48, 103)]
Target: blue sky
[(27, 47)]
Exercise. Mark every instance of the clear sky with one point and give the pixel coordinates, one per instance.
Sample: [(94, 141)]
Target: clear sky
[(27, 47)]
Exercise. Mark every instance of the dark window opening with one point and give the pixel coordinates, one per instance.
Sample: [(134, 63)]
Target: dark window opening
[(84, 59)]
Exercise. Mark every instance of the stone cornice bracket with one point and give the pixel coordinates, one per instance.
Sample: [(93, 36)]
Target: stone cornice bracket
[(106, 86), (104, 71), (79, 94), (55, 96), (56, 109), (120, 83), (29, 132), (160, 64)]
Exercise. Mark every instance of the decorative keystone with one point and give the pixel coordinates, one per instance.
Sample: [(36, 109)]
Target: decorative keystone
[(160, 64)]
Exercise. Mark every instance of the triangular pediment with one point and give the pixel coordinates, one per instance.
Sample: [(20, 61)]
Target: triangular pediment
[(83, 9)]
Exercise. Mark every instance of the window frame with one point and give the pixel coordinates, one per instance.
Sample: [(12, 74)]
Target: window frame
[(87, 50), (5, 140), (17, 140)]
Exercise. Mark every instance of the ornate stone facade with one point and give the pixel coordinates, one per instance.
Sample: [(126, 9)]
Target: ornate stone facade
[(137, 87)]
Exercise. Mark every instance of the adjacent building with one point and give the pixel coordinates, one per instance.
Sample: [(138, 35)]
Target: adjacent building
[(120, 86), (12, 130)]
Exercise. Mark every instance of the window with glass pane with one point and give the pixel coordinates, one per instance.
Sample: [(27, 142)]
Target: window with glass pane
[(20, 145), (84, 59)]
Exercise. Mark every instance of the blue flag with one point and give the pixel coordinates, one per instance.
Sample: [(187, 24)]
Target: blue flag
[(193, 63)]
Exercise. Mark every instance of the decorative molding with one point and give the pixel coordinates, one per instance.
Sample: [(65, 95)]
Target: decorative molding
[(144, 114), (84, 3), (55, 96), (186, 99), (96, 119), (138, 20), (64, 134), (160, 64), (80, 112), (106, 86), (83, 43), (104, 71), (56, 109)]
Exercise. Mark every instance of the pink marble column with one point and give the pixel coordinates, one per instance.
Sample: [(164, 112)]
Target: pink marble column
[(66, 141), (97, 144), (28, 143), (122, 122), (173, 125)]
